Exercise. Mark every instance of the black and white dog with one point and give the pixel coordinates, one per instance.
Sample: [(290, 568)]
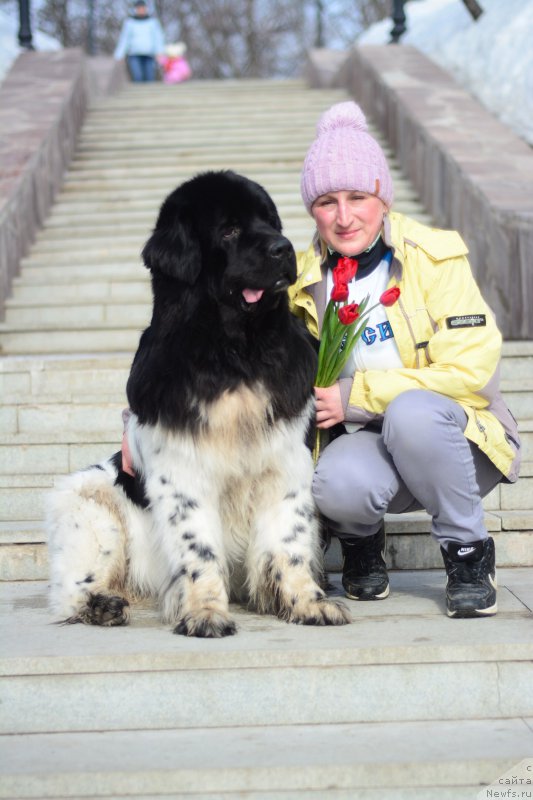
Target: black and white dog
[(221, 390)]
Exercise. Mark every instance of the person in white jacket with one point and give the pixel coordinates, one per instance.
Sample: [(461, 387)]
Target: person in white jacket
[(141, 41)]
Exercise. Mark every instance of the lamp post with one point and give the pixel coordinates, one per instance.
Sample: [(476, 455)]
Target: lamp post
[(319, 36), (25, 37), (91, 38), (399, 19)]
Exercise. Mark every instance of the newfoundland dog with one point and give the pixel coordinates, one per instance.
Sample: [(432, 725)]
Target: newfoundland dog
[(221, 394)]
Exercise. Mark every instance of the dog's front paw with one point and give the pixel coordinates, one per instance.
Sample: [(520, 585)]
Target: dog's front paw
[(206, 625), (103, 609), (319, 611)]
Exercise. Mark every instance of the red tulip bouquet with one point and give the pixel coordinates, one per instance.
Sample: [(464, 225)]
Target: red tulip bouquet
[(342, 327)]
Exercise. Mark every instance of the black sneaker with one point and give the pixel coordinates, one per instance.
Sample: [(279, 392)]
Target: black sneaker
[(364, 574), (471, 587)]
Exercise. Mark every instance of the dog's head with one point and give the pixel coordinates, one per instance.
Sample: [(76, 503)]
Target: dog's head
[(221, 232)]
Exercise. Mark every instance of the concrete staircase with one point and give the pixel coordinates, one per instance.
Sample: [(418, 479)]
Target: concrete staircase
[(403, 703)]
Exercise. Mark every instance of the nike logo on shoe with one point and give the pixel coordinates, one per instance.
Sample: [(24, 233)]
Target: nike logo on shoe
[(463, 552)]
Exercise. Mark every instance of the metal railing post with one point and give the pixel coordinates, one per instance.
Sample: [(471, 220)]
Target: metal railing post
[(91, 23), (25, 36), (399, 19)]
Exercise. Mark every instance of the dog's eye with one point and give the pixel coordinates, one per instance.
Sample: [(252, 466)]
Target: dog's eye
[(231, 232)]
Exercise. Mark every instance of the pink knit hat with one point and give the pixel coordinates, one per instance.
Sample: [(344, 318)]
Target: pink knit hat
[(344, 156)]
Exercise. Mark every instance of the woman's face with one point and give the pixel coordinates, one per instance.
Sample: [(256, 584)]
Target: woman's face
[(348, 221)]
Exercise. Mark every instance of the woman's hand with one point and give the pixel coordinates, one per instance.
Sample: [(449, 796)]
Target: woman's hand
[(126, 456), (329, 410)]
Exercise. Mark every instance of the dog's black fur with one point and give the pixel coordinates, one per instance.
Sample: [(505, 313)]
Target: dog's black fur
[(204, 338)]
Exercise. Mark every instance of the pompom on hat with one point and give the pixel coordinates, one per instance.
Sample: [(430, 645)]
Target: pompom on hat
[(344, 156)]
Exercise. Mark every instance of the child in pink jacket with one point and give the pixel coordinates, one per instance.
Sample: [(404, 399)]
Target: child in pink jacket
[(174, 66)]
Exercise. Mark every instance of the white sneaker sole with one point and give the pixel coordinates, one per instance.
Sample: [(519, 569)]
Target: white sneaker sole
[(381, 596)]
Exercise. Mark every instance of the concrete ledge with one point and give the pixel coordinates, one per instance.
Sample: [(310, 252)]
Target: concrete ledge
[(473, 173), (43, 101), (321, 71)]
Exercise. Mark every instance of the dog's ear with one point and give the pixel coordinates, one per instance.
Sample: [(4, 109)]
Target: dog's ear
[(173, 248), (273, 215)]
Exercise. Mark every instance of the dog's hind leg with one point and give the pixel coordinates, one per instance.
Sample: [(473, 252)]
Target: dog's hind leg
[(87, 545)]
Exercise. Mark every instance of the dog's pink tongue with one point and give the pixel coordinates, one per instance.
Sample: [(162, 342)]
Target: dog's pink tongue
[(252, 295)]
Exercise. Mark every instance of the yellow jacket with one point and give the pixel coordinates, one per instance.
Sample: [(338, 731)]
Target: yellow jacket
[(446, 335)]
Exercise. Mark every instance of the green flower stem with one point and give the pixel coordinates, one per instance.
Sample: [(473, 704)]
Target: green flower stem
[(331, 358)]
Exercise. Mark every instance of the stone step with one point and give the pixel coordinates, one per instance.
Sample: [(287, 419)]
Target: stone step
[(24, 379), (69, 340), (20, 456), (72, 208), (24, 555), (442, 760), (40, 275), (130, 216), (59, 421), (518, 393), (76, 241), (46, 421), (116, 155), (30, 317), (30, 294), (95, 383), (22, 505), (82, 679), (154, 177)]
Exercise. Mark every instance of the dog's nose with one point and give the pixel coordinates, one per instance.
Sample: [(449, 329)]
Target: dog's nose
[(281, 248)]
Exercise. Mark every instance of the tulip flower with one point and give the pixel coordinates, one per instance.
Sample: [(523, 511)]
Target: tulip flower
[(389, 297), (343, 326), (348, 314)]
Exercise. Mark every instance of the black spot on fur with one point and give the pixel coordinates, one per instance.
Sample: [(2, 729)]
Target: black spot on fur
[(290, 495), (195, 574), (202, 551), (188, 535), (176, 576), (306, 511), (88, 579), (296, 561), (132, 486), (184, 502), (163, 480)]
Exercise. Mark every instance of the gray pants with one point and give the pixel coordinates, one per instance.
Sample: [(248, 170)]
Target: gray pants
[(419, 460)]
